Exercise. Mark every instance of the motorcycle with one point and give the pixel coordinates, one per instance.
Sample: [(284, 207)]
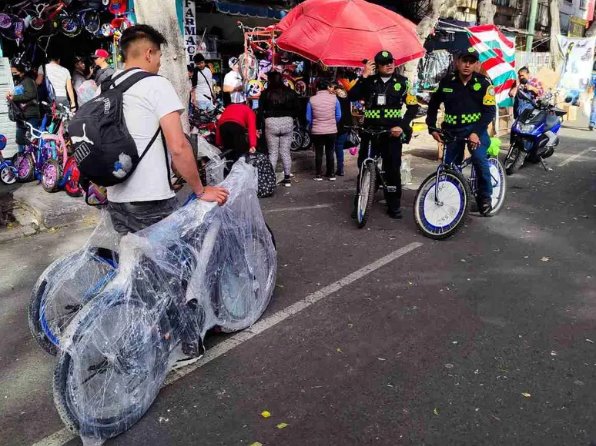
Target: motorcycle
[(534, 134)]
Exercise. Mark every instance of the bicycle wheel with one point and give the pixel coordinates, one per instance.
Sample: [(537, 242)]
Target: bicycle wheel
[(366, 197), (63, 288), (25, 167), (441, 217), (296, 140), (51, 174), (499, 184), (305, 140), (246, 282), (114, 367), (8, 174)]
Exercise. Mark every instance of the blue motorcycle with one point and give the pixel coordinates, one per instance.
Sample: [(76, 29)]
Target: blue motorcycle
[(534, 134)]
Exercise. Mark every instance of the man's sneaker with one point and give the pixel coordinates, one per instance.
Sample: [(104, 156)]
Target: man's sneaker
[(332, 178), (395, 214), (286, 182), (318, 178)]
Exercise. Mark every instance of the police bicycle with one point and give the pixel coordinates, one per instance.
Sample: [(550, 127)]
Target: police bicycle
[(445, 197), (371, 176)]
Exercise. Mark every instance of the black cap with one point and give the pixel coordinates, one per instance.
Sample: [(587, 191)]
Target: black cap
[(383, 58), (469, 52)]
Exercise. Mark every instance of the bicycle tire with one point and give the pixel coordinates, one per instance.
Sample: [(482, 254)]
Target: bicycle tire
[(45, 333), (366, 198), (51, 174), (459, 188), (8, 175), (516, 159), (499, 175), (306, 140), (25, 167), (82, 415), (296, 140)]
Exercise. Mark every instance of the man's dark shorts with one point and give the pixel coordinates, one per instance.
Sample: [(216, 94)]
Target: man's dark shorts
[(132, 217)]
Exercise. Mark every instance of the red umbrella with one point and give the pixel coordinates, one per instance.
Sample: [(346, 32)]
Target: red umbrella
[(343, 33)]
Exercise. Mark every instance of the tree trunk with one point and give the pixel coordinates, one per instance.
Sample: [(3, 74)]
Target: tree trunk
[(423, 30), (555, 31), (486, 12), (162, 16)]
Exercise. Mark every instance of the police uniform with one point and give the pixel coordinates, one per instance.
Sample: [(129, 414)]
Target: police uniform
[(469, 108), (384, 103)]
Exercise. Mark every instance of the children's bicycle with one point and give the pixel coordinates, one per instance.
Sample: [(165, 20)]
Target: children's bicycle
[(445, 197)]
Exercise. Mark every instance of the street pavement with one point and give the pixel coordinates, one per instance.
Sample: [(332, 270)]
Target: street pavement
[(374, 336)]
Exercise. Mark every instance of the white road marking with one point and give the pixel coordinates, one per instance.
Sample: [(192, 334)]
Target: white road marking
[(64, 436), (576, 156), (298, 208)]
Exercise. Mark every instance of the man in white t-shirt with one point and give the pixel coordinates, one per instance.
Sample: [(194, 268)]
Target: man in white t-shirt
[(202, 95), (232, 83), (147, 197), (61, 82)]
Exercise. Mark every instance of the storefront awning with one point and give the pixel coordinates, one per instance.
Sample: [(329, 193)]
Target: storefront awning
[(247, 10)]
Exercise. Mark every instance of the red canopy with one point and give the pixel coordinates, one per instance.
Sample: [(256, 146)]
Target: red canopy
[(343, 33)]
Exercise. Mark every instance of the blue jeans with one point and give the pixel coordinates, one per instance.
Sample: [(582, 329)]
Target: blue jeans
[(340, 143), (455, 153), (593, 114)]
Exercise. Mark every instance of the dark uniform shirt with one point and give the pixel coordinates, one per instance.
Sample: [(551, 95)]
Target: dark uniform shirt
[(394, 93), (472, 104)]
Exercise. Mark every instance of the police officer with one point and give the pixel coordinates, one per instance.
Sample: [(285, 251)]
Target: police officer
[(384, 94), (469, 100)]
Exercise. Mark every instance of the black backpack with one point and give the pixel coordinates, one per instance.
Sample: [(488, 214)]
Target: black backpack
[(105, 151)]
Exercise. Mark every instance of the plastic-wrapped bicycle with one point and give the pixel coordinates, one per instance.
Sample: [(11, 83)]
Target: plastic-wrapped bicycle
[(445, 197)]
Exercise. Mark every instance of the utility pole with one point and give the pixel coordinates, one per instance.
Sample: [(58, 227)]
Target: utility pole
[(531, 25)]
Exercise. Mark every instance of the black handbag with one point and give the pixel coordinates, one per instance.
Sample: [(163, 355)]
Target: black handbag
[(353, 140), (265, 174)]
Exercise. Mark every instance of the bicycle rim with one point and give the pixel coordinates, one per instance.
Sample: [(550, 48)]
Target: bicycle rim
[(367, 192), (440, 218), (8, 175), (499, 183), (112, 371)]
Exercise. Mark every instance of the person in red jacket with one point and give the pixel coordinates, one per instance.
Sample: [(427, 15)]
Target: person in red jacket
[(237, 130)]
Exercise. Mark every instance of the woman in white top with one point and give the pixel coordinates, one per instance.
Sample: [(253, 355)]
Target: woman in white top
[(61, 82)]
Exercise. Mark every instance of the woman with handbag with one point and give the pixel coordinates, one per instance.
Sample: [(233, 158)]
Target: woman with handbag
[(278, 106), (24, 101)]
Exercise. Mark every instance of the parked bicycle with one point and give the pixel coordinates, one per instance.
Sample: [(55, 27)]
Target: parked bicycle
[(300, 137), (8, 172), (445, 197)]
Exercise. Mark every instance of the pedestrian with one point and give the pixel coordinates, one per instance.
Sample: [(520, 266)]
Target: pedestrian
[(237, 131), (103, 70), (278, 107), (323, 112), (146, 197), (24, 96), (343, 127), (232, 85), (469, 101), (60, 80), (202, 94), (385, 93)]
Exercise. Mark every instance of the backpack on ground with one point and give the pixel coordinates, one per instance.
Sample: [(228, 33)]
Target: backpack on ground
[(265, 174), (105, 151)]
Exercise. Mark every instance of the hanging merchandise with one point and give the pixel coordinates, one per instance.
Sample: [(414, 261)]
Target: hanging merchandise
[(576, 72), (433, 67)]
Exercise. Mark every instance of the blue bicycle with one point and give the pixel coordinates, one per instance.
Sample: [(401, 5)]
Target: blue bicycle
[(446, 197)]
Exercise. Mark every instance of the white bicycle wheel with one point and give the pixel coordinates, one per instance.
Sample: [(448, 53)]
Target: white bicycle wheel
[(499, 184), (442, 216)]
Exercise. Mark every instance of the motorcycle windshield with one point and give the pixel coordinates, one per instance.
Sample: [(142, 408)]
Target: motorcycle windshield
[(532, 116)]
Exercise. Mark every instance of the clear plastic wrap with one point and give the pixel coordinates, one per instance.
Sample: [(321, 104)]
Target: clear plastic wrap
[(201, 267)]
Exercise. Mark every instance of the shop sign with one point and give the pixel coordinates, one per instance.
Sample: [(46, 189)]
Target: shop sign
[(190, 30)]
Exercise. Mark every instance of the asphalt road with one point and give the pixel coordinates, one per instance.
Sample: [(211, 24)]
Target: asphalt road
[(488, 338)]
